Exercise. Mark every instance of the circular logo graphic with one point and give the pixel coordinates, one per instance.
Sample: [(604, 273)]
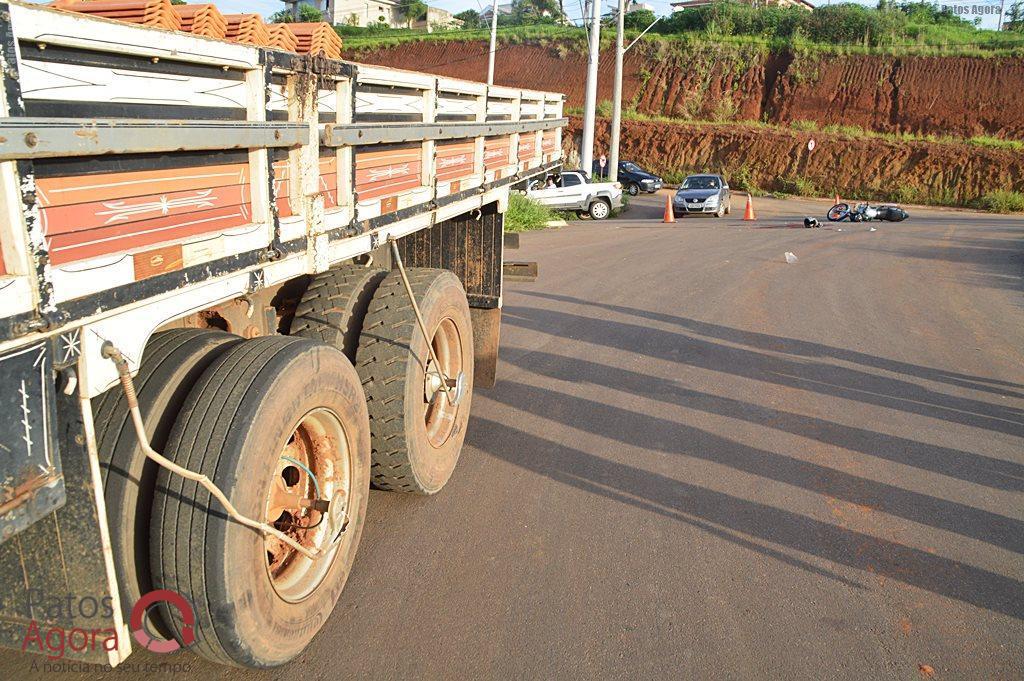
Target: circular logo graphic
[(138, 617)]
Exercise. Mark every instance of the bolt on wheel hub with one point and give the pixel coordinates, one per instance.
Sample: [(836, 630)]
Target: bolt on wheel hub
[(313, 467), (444, 382)]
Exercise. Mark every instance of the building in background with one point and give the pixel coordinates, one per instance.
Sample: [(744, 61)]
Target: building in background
[(633, 6), (439, 18), (365, 12), (503, 9)]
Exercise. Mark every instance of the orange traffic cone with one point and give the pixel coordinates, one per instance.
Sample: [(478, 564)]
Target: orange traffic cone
[(748, 214), (837, 199), (670, 215)]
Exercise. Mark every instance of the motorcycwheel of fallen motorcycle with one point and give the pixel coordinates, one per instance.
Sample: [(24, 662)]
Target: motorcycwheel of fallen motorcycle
[(838, 212)]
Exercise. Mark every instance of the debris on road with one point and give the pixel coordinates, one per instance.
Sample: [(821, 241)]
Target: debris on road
[(790, 257)]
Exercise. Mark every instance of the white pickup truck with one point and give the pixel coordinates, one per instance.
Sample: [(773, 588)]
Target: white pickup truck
[(573, 190)]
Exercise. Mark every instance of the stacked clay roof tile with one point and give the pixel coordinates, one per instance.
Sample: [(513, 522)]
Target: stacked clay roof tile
[(153, 13), (317, 38), (247, 28), (204, 20), (282, 38)]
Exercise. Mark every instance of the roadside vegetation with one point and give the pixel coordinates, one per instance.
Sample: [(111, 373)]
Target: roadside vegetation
[(891, 28), (524, 215), (604, 109), (1003, 202)]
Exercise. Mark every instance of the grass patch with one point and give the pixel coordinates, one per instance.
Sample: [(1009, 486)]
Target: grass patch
[(996, 143), (928, 41), (524, 215), (799, 186), (1002, 201), (854, 131), (804, 126)]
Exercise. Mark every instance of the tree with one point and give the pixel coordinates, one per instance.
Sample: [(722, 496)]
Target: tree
[(536, 11), (413, 10), (1014, 18), (469, 18), (307, 13), (640, 19)]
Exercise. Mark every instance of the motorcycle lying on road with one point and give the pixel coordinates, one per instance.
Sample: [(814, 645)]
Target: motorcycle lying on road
[(863, 212)]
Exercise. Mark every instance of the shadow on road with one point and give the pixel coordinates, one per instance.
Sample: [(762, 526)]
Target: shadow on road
[(954, 463), (724, 514), (891, 390), (661, 435)]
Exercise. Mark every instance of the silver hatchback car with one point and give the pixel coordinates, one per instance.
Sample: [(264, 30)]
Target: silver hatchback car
[(703, 194)]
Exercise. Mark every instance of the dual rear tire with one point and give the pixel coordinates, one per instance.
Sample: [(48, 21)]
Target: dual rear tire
[(273, 417), (417, 426), (277, 423)]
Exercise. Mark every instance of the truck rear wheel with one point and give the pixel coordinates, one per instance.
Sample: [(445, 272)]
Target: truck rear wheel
[(334, 305), (416, 427), (274, 421), (172, 362)]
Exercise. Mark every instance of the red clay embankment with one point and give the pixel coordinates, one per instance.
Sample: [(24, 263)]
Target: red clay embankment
[(918, 172), (959, 96)]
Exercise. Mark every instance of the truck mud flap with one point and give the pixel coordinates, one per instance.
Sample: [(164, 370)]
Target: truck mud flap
[(31, 482), (519, 270)]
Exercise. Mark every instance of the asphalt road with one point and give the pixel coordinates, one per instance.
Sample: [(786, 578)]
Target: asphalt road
[(704, 462)]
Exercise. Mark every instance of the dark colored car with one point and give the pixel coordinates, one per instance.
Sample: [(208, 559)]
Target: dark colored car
[(633, 178), (703, 194)]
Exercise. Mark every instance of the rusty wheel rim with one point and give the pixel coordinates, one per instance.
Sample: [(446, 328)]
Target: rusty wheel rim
[(439, 413), (317, 445)]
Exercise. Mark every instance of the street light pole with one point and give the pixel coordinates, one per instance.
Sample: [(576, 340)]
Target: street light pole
[(613, 146), (494, 39), (590, 103)]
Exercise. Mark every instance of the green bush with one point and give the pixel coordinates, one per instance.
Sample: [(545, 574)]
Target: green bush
[(1003, 201), (799, 186), (524, 215), (839, 24), (903, 28), (307, 13), (743, 179), (639, 20)]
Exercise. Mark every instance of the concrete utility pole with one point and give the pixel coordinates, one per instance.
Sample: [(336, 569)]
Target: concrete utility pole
[(494, 40), (613, 145), (590, 103)]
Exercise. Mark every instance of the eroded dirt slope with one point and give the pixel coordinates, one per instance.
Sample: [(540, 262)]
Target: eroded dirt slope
[(856, 168), (960, 96)]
